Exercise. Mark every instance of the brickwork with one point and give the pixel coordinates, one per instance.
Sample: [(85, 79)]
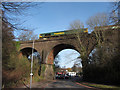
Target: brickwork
[(50, 58)]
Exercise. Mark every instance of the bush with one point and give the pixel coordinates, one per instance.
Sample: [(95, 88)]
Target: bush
[(17, 70), (109, 73)]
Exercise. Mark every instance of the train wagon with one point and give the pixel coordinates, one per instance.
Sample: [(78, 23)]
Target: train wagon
[(51, 34), (107, 27)]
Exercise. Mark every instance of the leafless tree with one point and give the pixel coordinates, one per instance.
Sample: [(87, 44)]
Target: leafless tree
[(56, 61), (114, 15), (11, 9), (27, 35), (78, 25), (99, 19)]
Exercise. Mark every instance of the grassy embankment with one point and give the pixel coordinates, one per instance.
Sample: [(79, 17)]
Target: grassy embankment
[(100, 86)]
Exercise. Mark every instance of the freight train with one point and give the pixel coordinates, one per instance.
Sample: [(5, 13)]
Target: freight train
[(107, 27), (53, 34)]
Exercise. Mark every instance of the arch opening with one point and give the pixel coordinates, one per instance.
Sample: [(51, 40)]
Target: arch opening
[(70, 59), (28, 53), (61, 47), (66, 58)]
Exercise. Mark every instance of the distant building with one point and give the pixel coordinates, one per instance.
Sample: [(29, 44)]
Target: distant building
[(65, 71), (71, 73)]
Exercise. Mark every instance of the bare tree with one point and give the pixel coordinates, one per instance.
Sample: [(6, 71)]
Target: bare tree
[(56, 61), (99, 19), (10, 9), (27, 35), (78, 25), (76, 68), (114, 15)]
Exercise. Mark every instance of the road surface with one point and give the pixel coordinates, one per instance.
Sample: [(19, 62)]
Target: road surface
[(58, 84)]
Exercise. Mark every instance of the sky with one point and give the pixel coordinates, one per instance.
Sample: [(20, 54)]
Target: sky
[(68, 57), (57, 16)]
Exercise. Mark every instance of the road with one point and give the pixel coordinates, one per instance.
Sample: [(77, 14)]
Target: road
[(59, 83)]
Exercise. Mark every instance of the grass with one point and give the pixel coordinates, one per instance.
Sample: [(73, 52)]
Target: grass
[(36, 77), (100, 85), (17, 43), (43, 68)]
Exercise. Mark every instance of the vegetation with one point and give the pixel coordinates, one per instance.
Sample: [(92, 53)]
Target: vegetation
[(36, 68), (27, 35), (15, 69), (77, 68), (43, 68), (11, 9), (101, 86), (115, 12), (16, 72), (102, 65), (81, 47), (99, 19)]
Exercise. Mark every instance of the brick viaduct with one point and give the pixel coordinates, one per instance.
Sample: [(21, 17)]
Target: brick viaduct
[(50, 47)]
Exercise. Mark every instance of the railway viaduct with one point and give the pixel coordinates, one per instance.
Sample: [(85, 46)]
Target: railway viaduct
[(50, 47)]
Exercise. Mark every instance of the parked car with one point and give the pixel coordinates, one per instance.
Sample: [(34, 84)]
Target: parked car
[(60, 76), (67, 76)]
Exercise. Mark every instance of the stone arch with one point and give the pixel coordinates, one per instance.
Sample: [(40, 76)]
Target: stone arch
[(49, 72)]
